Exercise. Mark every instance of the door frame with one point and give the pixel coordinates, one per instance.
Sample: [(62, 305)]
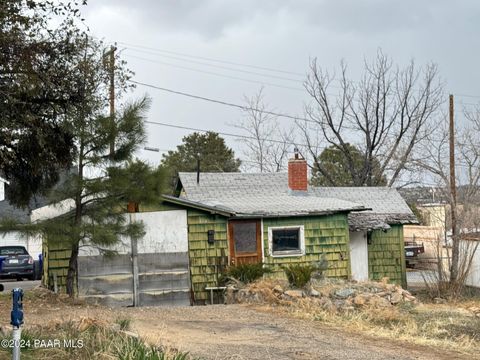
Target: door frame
[(231, 242)]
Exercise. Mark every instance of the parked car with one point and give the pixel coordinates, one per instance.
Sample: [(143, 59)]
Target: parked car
[(17, 263), (412, 250)]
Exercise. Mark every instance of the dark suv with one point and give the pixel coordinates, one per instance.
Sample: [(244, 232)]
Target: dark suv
[(17, 263)]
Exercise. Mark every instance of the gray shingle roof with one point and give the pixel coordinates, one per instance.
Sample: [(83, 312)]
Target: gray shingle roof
[(258, 195), (267, 194)]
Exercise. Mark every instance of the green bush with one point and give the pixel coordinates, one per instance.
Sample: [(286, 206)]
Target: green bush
[(124, 323), (299, 275), (246, 273)]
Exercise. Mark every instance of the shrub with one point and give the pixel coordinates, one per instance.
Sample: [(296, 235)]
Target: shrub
[(246, 273), (124, 323), (299, 275)]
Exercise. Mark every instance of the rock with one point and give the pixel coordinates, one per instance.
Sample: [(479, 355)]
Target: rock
[(377, 301), (360, 299), (396, 298), (314, 293), (278, 289), (344, 293), (294, 293), (409, 298), (328, 305), (439, 300)]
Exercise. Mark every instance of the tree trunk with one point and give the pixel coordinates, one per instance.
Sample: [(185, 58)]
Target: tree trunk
[(72, 271)]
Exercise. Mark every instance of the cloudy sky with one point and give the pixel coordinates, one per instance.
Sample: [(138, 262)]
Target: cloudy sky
[(173, 44)]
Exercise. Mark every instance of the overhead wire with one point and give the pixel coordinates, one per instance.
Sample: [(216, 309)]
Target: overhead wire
[(162, 52), (298, 80), (240, 136), (214, 73), (211, 59), (221, 102)]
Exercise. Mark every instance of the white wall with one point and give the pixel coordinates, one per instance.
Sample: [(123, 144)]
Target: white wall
[(31, 243), (359, 255), (472, 248), (166, 232), (51, 211)]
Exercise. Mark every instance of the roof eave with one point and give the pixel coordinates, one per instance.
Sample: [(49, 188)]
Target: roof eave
[(196, 205), (299, 214)]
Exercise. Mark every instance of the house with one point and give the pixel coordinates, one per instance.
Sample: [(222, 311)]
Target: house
[(278, 219), (8, 211), (220, 219)]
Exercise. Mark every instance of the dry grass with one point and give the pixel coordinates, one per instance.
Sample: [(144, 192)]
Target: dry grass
[(451, 326), (99, 341)]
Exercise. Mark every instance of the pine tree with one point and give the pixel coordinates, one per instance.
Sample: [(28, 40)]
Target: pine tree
[(209, 148), (102, 183)]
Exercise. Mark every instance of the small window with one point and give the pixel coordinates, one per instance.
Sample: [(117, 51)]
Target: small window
[(286, 241)]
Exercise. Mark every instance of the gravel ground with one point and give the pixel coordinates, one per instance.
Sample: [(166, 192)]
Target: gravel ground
[(25, 284), (229, 332), (416, 277), (240, 332)]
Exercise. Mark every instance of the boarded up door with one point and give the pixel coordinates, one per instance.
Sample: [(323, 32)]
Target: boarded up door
[(245, 241), (359, 255)]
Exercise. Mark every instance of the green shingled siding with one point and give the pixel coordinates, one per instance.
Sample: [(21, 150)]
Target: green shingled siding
[(207, 261), (323, 235), (56, 258), (386, 255)]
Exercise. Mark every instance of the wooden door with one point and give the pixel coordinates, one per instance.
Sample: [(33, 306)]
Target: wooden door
[(245, 241)]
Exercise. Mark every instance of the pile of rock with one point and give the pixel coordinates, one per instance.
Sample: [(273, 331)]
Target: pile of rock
[(330, 294)]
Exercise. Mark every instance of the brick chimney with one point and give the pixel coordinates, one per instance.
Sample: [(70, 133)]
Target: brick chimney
[(297, 173)]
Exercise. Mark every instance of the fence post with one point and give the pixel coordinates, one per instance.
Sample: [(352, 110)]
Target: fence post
[(134, 250)]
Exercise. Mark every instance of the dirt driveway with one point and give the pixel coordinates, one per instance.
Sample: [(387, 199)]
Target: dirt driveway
[(240, 332), (229, 332)]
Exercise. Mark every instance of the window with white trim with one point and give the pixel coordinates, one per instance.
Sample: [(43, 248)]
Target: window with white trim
[(286, 241)]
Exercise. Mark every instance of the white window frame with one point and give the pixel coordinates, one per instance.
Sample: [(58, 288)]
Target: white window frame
[(288, 253)]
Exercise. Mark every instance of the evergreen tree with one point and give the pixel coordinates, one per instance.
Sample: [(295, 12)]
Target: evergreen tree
[(95, 195), (209, 148), (40, 85), (331, 168)]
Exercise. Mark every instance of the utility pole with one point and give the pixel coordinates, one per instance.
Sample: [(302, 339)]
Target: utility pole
[(111, 55), (453, 198)]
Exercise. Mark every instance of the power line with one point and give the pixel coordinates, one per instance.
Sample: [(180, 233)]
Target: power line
[(157, 51), (214, 73), (221, 102), (212, 59), (471, 104), (216, 66), (468, 95), (221, 133)]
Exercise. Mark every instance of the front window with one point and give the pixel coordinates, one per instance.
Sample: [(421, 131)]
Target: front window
[(286, 241)]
